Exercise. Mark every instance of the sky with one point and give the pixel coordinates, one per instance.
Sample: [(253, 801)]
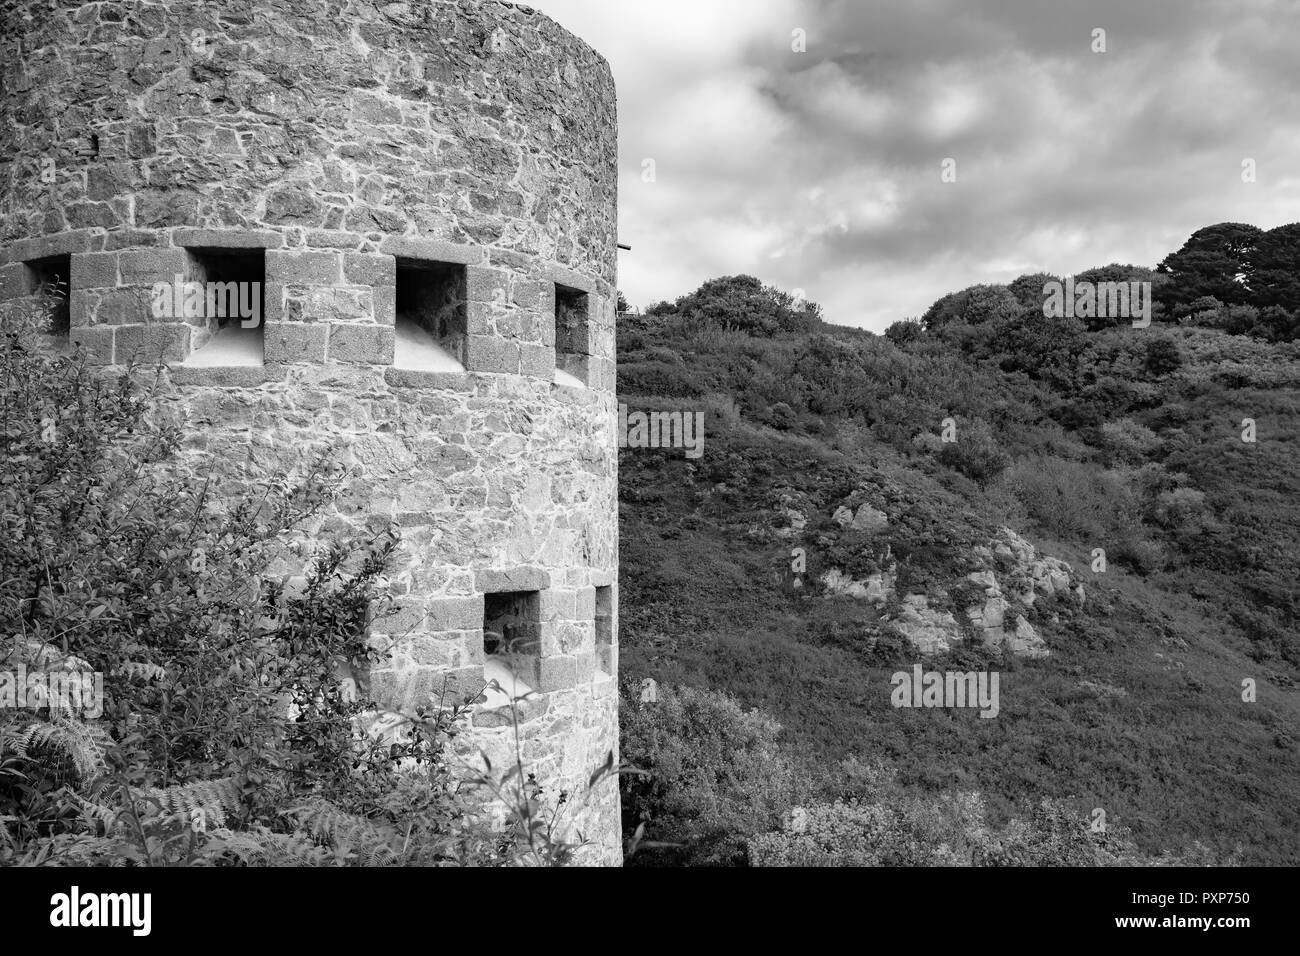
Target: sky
[(822, 170)]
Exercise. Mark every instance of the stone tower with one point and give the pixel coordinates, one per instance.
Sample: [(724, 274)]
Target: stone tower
[(421, 197)]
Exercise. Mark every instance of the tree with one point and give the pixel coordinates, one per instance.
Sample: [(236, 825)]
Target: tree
[(904, 331), (1276, 279), (1028, 289), (743, 303), (1124, 274), (1277, 324), (975, 305), (1163, 356), (1043, 347), (1218, 260)]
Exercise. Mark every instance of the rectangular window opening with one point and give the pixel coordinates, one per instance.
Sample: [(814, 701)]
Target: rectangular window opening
[(49, 281), (605, 629), (512, 639), (572, 317), (432, 315), (225, 297)]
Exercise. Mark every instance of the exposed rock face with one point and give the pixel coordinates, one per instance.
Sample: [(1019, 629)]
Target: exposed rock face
[(930, 631), (997, 616), (1040, 575), (866, 518), (1036, 576), (1025, 642), (989, 618), (339, 141), (797, 523), (876, 588)]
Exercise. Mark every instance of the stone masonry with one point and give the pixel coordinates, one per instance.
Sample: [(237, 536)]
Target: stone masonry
[(333, 149)]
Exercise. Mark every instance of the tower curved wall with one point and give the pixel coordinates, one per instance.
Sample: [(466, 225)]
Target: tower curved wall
[(441, 171)]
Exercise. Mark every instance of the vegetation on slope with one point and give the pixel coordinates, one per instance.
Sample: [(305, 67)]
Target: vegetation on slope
[(1082, 435)]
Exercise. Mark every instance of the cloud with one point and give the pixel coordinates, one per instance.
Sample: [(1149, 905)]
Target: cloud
[(820, 170)]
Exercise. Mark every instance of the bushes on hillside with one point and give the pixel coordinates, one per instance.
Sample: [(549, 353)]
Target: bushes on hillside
[(708, 773), (743, 303), (1129, 441), (1074, 500), (977, 454), (905, 331), (973, 306), (949, 830)]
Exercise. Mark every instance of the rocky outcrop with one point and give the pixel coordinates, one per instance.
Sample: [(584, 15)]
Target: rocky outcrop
[(1011, 577), (866, 518), (1000, 614), (1025, 642), (1035, 575), (877, 588), (797, 523), (930, 631)]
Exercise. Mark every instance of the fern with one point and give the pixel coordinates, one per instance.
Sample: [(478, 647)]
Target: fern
[(348, 834), (82, 744), (138, 670), (99, 818), (73, 849), (206, 802)]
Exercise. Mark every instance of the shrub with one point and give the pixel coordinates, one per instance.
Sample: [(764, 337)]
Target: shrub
[(948, 830), (976, 305), (707, 773), (1163, 356), (1028, 289), (743, 303), (1073, 500), (1129, 440), (976, 453), (904, 331), (781, 416)]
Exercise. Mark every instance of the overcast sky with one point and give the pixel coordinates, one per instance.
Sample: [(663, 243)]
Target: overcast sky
[(821, 170)]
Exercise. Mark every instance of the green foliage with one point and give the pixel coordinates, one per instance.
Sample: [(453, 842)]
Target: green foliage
[(1118, 438), (1215, 261), (905, 331), (876, 822), (1028, 289), (743, 303), (1275, 277), (977, 454), (1163, 356), (228, 733), (1074, 500), (902, 828), (1127, 274), (1128, 440), (1238, 278), (709, 773), (1272, 323), (948, 831), (973, 306)]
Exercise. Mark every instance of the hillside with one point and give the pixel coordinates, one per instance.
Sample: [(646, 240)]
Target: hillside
[(1116, 438)]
